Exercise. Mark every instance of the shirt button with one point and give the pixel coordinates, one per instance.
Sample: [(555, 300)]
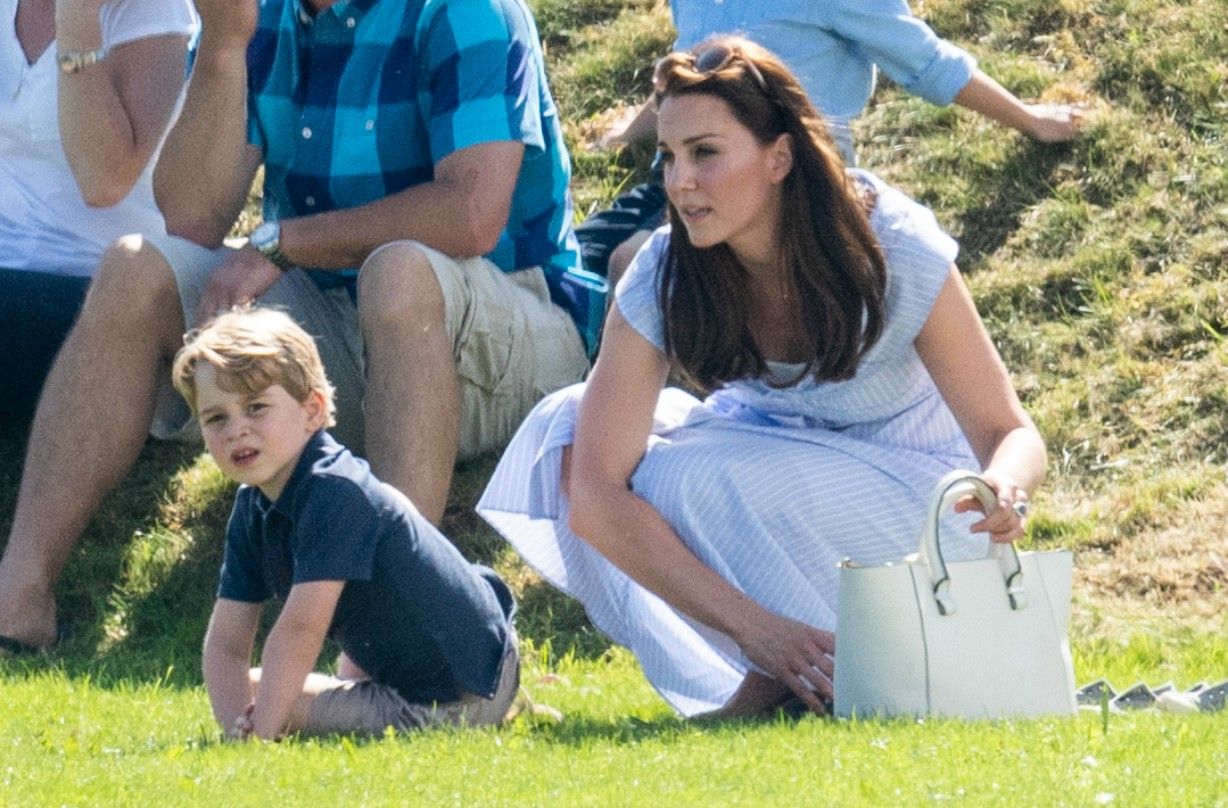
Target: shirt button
[(306, 133), (349, 22), (370, 125), (311, 201)]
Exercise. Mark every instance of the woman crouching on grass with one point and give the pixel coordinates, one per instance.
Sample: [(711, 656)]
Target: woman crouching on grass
[(849, 372)]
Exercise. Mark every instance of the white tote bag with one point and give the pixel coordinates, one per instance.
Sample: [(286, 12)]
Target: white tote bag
[(971, 639)]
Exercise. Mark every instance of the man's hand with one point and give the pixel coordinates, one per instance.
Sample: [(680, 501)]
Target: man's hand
[(244, 276), (633, 125)]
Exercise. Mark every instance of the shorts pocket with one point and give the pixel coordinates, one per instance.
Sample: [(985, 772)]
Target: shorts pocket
[(489, 353)]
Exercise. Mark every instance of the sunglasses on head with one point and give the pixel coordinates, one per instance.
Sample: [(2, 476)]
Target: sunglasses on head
[(716, 58)]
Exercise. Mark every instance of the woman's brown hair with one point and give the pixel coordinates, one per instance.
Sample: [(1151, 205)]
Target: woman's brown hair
[(836, 273)]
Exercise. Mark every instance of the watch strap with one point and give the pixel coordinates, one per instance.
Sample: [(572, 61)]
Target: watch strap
[(271, 249)]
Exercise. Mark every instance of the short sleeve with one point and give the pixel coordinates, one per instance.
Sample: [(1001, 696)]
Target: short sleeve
[(636, 293), (128, 20), (918, 255), (336, 532), (242, 576), (481, 83)]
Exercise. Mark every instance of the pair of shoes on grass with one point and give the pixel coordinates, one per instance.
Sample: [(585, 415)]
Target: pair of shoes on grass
[(1165, 697)]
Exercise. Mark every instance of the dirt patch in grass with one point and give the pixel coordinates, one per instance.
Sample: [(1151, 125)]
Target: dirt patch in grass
[(1181, 570)]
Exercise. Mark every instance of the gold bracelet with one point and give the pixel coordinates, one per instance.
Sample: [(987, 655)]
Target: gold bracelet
[(74, 62)]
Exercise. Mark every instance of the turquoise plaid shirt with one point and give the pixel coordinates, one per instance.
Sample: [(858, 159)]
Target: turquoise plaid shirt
[(363, 100)]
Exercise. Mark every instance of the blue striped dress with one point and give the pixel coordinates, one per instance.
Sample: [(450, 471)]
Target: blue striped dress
[(770, 487)]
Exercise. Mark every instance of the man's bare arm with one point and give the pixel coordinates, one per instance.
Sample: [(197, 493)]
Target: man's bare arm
[(461, 213), (206, 166)]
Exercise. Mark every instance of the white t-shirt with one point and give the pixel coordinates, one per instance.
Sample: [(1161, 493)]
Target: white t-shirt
[(44, 221)]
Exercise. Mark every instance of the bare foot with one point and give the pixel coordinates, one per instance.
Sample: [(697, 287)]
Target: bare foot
[(757, 695), (27, 615)]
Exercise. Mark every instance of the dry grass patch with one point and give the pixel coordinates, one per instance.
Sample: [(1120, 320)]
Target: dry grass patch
[(1180, 569)]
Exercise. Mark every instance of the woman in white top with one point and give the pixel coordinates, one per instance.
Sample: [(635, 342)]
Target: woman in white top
[(87, 91), (850, 372)]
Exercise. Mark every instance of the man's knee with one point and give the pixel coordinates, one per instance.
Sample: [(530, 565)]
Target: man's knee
[(398, 284)]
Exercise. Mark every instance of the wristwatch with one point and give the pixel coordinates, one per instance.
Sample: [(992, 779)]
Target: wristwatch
[(267, 240), (71, 62)]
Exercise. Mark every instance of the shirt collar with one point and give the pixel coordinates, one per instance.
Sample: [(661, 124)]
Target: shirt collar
[(319, 446), (303, 11)]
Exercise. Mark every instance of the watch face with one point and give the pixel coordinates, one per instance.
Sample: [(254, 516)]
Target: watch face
[(265, 237)]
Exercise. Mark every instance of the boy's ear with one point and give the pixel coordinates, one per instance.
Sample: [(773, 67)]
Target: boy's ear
[(317, 409)]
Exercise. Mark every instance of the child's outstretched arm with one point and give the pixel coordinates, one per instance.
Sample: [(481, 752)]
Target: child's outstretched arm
[(290, 653), (228, 658)]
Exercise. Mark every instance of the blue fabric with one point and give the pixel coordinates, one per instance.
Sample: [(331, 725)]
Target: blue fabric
[(833, 46), (37, 310), (414, 614), (361, 101)]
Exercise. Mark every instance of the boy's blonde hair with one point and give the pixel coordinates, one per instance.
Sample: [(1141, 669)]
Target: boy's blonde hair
[(251, 349)]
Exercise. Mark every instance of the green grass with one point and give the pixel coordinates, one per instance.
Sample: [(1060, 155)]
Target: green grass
[(125, 743), (1100, 270)]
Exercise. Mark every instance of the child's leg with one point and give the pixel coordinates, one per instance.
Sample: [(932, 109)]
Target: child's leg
[(346, 669), (330, 704), (313, 687)]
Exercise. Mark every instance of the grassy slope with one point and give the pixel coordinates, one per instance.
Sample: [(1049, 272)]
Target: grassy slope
[(1100, 270)]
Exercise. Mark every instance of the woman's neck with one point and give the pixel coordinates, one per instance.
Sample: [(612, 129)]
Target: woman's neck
[(770, 285)]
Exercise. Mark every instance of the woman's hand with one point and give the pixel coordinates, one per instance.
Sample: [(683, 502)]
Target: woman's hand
[(1006, 521), (795, 654)]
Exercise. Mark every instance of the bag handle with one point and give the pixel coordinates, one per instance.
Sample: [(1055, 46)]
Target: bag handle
[(950, 489)]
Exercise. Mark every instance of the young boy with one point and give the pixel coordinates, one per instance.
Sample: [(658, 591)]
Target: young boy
[(426, 637)]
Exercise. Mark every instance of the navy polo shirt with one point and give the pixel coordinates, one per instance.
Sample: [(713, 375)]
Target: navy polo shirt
[(414, 614)]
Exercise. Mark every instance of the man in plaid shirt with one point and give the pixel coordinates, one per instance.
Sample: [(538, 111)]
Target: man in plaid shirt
[(417, 223)]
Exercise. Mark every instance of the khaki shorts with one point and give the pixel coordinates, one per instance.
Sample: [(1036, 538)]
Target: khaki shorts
[(370, 707), (511, 344)]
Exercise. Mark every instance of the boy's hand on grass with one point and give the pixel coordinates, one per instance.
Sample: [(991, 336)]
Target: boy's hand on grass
[(242, 728)]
